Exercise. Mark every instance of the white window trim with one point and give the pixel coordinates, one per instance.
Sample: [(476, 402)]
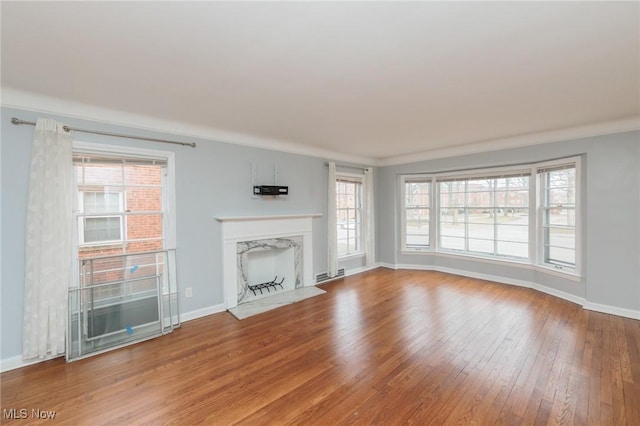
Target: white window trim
[(170, 200), (403, 216), (577, 162), (358, 255), (485, 174), (536, 238), (359, 178), (169, 156)]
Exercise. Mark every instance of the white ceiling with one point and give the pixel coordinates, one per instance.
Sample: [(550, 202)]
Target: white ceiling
[(373, 82)]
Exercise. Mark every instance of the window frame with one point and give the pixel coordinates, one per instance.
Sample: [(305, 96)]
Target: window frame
[(566, 163), (169, 184), (359, 212), (404, 179), (494, 175), (535, 259), (82, 219)]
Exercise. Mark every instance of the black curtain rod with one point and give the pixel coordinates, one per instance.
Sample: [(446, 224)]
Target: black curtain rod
[(18, 122)]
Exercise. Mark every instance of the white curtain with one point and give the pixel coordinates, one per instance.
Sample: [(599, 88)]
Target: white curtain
[(48, 243), (369, 219), (332, 223)]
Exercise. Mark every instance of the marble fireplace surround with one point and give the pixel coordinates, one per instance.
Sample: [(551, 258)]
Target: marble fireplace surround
[(241, 234), (269, 245)]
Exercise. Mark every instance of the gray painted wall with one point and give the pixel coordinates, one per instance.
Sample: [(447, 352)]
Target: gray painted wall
[(215, 180), (212, 180), (611, 223)]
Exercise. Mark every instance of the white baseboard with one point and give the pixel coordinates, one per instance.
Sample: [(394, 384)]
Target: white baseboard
[(387, 265), (14, 362), (486, 277), (415, 267), (605, 309), (199, 313), (560, 294), (519, 283), (359, 270)]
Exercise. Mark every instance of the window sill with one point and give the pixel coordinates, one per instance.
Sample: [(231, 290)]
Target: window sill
[(351, 256), (408, 251), (568, 274), (97, 246)]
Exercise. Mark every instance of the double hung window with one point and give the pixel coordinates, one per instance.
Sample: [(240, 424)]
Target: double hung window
[(558, 211), (125, 285), (121, 204), (486, 215), (417, 212), (123, 218), (349, 214)]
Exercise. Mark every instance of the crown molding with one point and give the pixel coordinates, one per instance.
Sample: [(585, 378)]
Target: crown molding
[(30, 101), (43, 104), (597, 129)]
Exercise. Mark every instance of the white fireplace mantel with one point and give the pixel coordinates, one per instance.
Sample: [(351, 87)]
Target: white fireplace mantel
[(271, 217), (240, 229)]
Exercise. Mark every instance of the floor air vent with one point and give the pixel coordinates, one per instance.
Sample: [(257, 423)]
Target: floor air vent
[(324, 277)]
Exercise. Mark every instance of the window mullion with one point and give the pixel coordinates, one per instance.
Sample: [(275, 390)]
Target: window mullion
[(495, 218), (434, 214), (466, 215), (348, 211), (123, 220), (533, 218)]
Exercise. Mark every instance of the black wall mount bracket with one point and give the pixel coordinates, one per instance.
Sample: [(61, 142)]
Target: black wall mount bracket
[(270, 190)]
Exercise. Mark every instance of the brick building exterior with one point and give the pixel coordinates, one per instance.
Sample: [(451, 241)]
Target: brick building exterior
[(131, 196)]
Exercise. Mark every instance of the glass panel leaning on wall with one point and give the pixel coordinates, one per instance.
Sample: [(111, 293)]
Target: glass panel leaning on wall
[(122, 299)]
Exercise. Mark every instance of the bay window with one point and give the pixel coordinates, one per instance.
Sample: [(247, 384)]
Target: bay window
[(527, 214)]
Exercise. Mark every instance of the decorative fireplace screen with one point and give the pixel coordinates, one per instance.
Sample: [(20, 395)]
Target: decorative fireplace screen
[(120, 300)]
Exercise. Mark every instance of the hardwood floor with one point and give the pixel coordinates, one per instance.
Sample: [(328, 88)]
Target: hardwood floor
[(383, 347)]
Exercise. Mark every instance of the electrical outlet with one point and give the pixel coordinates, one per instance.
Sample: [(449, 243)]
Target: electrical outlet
[(188, 292)]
